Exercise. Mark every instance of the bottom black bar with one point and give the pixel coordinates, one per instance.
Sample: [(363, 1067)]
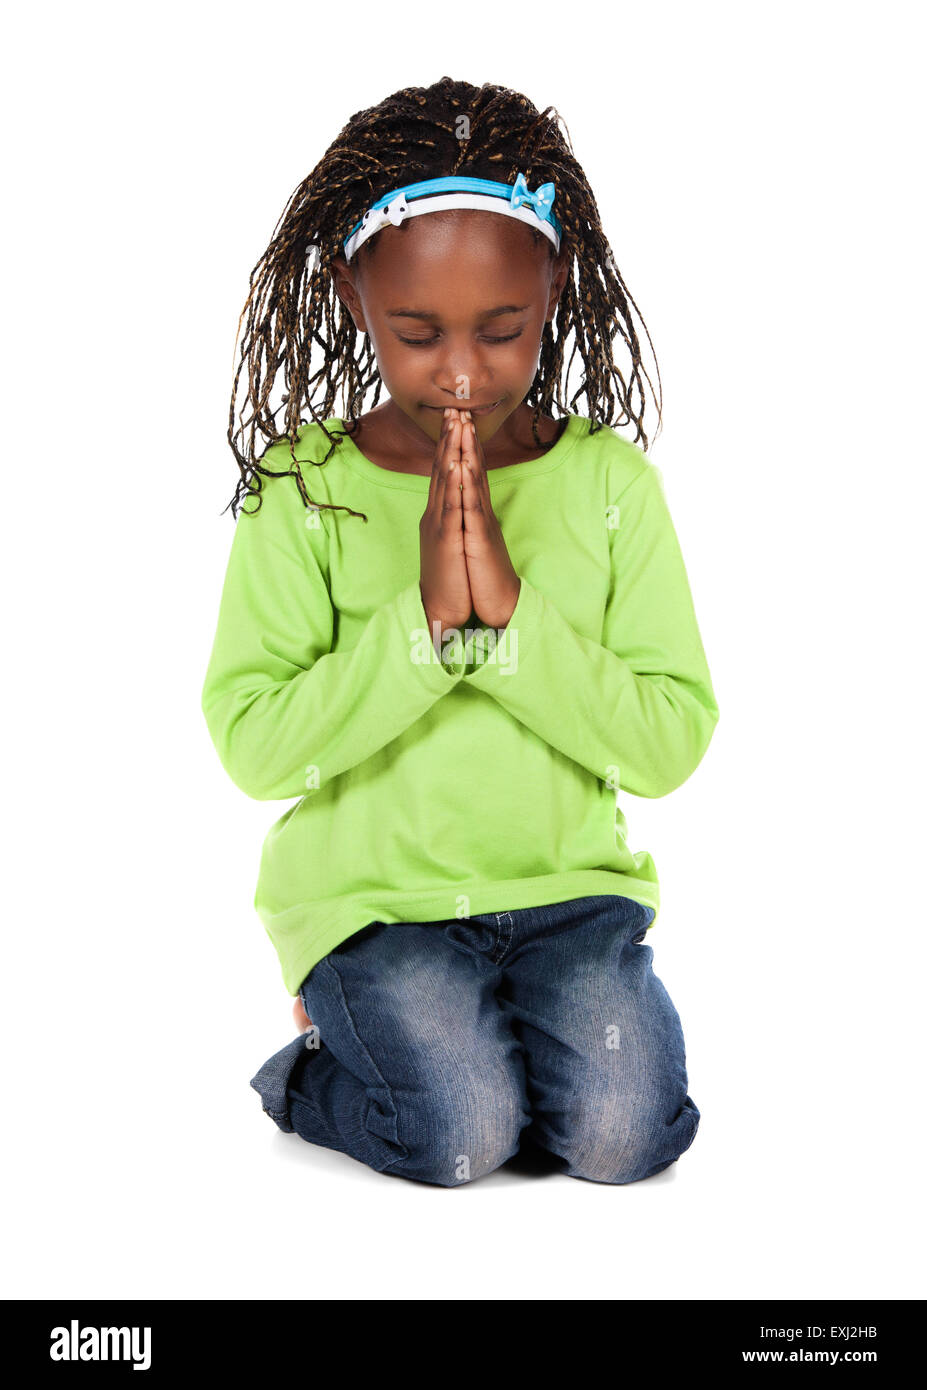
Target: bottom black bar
[(59, 1339)]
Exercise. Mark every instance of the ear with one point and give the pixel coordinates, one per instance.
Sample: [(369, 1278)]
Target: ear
[(345, 280), (561, 268)]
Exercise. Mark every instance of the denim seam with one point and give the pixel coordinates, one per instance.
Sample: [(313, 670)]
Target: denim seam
[(504, 944)]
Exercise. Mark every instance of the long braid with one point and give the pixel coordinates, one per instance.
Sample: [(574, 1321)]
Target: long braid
[(293, 307)]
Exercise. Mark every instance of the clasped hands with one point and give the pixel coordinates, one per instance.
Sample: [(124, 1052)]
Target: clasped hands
[(466, 569)]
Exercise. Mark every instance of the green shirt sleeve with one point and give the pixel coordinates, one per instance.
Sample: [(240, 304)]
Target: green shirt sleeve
[(636, 709), (284, 710)]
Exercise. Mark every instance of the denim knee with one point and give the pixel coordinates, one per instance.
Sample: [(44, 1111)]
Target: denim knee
[(460, 1130), (640, 1146)]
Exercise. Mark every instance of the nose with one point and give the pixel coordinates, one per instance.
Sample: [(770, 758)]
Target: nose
[(463, 373)]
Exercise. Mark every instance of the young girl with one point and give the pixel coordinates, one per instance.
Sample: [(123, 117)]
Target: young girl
[(457, 628)]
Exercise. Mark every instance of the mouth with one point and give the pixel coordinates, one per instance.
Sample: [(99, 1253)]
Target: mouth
[(475, 411)]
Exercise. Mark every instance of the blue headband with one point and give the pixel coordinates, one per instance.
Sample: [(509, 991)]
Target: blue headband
[(456, 191)]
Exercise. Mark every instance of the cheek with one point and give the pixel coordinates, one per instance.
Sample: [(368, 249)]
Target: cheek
[(397, 359), (523, 363), (398, 368)]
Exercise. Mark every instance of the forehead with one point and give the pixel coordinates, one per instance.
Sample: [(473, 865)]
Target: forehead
[(464, 256)]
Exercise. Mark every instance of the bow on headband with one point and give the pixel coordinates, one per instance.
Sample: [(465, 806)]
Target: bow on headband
[(542, 199), (394, 212)]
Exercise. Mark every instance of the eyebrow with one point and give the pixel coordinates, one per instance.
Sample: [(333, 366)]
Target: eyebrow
[(430, 315)]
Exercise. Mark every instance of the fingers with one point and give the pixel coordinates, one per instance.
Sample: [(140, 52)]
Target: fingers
[(452, 501), (473, 476), (446, 470), (438, 462)]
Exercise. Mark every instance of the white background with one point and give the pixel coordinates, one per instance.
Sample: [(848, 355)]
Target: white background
[(758, 170)]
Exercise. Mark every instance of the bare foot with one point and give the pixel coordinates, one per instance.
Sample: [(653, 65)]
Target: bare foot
[(300, 1017)]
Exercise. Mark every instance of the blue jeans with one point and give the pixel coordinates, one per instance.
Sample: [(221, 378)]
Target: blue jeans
[(436, 1047)]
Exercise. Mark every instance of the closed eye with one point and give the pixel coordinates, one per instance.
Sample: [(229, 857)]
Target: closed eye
[(430, 342)]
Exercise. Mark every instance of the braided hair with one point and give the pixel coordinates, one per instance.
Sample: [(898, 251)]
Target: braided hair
[(414, 134)]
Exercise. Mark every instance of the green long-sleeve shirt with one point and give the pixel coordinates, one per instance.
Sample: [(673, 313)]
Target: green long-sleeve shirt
[(489, 779)]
